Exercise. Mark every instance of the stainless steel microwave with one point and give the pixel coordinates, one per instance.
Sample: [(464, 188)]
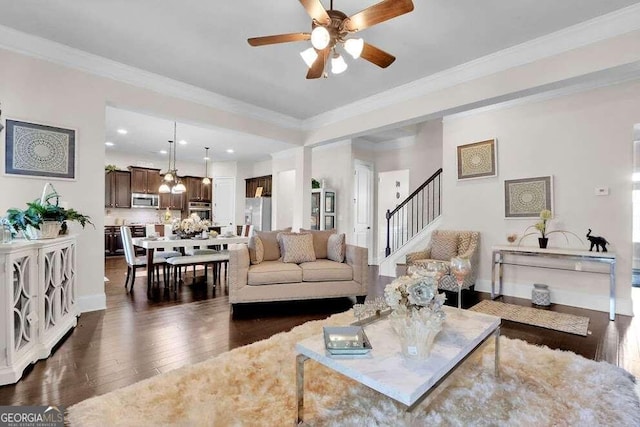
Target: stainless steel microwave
[(140, 200)]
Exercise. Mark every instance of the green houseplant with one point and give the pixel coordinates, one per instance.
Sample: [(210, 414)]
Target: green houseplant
[(44, 218)]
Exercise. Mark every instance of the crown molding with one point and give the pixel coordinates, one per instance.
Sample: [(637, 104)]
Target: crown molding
[(600, 28), (58, 53)]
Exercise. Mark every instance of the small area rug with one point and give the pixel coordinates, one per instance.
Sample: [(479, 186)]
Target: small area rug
[(578, 325), (255, 386)]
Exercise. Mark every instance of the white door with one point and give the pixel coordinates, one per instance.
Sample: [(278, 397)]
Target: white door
[(393, 188), (224, 201), (363, 206)]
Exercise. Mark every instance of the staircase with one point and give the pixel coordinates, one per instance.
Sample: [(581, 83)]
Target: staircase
[(411, 222)]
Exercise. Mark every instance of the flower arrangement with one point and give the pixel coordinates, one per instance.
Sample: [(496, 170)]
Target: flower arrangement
[(542, 227), (193, 224), (416, 312)]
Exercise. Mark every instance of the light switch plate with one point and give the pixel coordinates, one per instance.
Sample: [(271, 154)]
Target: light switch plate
[(602, 191)]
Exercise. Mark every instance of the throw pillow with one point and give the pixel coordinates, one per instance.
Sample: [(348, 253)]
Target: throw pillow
[(298, 248), (444, 246), (270, 243), (320, 241), (256, 250), (336, 248), (279, 239)]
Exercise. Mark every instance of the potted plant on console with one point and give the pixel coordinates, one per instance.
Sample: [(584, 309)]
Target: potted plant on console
[(44, 218)]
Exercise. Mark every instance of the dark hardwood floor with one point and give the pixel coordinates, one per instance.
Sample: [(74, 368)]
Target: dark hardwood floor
[(136, 338)]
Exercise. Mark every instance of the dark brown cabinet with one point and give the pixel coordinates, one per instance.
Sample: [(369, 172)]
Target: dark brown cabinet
[(172, 201), (117, 189), (113, 240), (144, 180), (252, 185), (197, 191)]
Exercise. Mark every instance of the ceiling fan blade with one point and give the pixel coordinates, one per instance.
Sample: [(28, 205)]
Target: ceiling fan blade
[(280, 38), (317, 69), (383, 11), (377, 56), (316, 11)]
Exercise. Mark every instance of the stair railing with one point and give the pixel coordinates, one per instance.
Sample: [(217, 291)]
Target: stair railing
[(414, 213)]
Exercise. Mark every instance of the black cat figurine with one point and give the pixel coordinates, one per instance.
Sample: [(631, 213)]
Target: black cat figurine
[(597, 241)]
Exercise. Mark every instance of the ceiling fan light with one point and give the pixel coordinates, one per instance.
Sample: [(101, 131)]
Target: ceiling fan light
[(354, 47), (338, 65), (309, 56), (320, 37), (164, 188)]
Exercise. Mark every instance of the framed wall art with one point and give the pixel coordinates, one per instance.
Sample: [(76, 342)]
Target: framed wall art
[(39, 150), (477, 160), (526, 197)]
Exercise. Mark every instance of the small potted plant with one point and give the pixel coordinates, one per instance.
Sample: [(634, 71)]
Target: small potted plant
[(44, 218), (541, 227)]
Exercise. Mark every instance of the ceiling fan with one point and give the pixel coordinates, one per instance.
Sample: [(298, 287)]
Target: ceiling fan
[(331, 28)]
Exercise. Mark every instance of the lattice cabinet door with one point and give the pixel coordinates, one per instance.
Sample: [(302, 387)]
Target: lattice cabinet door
[(58, 310), (18, 299)]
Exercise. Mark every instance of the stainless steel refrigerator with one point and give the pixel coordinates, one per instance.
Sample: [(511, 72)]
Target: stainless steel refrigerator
[(257, 212)]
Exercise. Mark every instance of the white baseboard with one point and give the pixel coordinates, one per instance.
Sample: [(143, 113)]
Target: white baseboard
[(599, 302), (92, 303)]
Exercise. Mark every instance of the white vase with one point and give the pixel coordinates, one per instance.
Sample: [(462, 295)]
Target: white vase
[(48, 230), (417, 331)]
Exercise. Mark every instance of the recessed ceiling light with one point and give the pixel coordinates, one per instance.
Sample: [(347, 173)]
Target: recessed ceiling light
[(123, 131), (163, 151), (182, 142), (109, 144), (230, 150)]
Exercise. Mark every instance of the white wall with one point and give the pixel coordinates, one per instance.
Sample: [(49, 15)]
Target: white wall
[(286, 186), (584, 141)]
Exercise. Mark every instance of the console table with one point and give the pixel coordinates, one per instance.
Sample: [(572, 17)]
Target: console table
[(578, 256), (37, 299)]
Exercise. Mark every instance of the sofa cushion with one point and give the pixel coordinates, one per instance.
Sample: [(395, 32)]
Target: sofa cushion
[(297, 248), (325, 270), (270, 243), (256, 250), (336, 247), (320, 241), (444, 245), (270, 272)]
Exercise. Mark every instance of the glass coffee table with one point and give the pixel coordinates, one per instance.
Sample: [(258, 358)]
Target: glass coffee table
[(386, 371)]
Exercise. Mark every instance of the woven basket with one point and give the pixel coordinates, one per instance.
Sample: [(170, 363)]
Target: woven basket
[(48, 230)]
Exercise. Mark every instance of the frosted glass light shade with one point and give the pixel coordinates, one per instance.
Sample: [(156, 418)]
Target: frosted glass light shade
[(180, 188), (338, 65), (309, 56), (320, 37), (164, 188), (168, 177), (354, 47), (206, 180)]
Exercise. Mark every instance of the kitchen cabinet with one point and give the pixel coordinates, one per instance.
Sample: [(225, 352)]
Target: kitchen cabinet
[(112, 241), (145, 180), (252, 184), (172, 201), (196, 190), (117, 189)]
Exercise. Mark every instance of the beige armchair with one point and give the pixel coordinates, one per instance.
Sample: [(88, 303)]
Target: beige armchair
[(444, 245)]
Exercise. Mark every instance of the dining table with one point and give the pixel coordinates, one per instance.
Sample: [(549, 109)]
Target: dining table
[(151, 244)]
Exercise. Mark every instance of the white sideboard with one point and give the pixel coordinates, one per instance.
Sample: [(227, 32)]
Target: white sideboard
[(38, 301)]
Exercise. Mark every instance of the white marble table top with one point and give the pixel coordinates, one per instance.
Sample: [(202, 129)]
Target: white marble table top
[(186, 243), (385, 370)]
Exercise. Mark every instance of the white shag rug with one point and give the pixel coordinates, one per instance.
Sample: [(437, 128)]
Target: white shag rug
[(255, 386)]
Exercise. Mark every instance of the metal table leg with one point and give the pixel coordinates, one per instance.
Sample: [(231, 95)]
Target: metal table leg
[(497, 355), (612, 290), (300, 359)]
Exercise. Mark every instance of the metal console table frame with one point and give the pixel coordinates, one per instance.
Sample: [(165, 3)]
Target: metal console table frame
[(499, 252)]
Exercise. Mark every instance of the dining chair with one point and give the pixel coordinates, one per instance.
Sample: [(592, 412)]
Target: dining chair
[(135, 262)]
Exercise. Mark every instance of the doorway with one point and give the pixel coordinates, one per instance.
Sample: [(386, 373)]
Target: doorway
[(224, 202), (363, 207)]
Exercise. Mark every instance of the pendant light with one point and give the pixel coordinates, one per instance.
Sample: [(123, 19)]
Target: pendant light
[(179, 187), (206, 180), (171, 182), (168, 177)]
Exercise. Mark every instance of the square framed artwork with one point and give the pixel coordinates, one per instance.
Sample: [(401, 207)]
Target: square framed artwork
[(477, 160), (527, 197), (39, 150)]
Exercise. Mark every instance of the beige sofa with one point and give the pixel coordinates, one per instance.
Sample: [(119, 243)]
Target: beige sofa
[(279, 281)]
